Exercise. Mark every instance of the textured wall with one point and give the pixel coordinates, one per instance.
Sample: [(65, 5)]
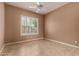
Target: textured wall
[(1, 24), (12, 24), (63, 24)]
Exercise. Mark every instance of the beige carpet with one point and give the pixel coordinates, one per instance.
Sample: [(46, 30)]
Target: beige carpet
[(39, 48)]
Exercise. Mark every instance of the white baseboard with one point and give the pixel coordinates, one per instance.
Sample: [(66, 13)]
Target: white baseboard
[(67, 44), (2, 49), (23, 41)]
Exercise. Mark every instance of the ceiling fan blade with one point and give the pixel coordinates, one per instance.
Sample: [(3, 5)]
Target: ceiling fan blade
[(32, 6)]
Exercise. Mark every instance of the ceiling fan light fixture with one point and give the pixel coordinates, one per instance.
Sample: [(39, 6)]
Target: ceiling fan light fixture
[(38, 3)]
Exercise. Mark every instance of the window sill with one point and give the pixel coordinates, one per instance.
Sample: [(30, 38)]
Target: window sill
[(29, 34)]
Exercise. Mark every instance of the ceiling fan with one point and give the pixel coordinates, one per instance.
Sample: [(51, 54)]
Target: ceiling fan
[(37, 6)]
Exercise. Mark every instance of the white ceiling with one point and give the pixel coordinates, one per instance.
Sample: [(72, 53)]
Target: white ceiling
[(48, 6)]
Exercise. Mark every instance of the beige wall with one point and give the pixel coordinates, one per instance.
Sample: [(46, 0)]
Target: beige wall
[(12, 24), (1, 24), (63, 24)]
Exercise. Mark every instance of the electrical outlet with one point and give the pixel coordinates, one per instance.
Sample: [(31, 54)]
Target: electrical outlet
[(76, 42)]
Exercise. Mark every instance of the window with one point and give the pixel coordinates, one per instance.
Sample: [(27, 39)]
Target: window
[(29, 25)]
